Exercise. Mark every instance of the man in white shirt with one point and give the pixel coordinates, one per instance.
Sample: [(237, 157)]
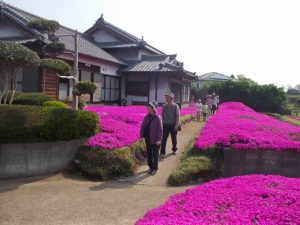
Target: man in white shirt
[(199, 108)]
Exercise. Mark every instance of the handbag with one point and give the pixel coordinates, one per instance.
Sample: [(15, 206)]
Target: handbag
[(179, 128)]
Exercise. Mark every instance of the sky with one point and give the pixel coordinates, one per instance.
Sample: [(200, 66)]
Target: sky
[(257, 38)]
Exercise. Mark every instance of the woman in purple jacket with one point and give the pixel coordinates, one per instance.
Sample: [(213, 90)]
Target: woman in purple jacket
[(152, 131)]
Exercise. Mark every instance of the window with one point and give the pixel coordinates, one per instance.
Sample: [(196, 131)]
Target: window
[(19, 80), (137, 88), (97, 93), (63, 89), (110, 88)]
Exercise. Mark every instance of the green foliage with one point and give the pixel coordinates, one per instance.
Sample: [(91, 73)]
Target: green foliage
[(54, 48), (56, 104), (262, 98), (196, 165), (56, 65), (24, 123), (85, 87), (200, 93), (290, 120), (17, 93), (48, 26), (68, 124), (108, 164), (191, 169), (32, 99), (16, 55)]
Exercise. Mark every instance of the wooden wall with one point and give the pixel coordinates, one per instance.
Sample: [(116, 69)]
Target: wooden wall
[(49, 84)]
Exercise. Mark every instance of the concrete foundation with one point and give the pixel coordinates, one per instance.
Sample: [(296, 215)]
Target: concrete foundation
[(32, 159), (243, 162)]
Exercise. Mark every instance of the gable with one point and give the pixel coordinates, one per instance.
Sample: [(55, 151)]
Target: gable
[(103, 36), (9, 30)]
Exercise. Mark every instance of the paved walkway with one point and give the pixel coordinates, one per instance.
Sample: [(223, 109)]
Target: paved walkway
[(63, 199)]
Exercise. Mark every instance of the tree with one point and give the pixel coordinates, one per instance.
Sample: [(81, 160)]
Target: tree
[(82, 88), (242, 77), (56, 65), (45, 26), (262, 98), (13, 57)]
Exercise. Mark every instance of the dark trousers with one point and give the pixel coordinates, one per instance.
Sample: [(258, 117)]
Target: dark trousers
[(167, 129), (152, 154)]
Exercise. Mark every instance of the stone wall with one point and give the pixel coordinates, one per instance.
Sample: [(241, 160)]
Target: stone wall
[(243, 162), (31, 159)]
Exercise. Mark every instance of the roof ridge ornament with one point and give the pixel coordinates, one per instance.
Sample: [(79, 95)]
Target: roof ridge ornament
[(101, 19)]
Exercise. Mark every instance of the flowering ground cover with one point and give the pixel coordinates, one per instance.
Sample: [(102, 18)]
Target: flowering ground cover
[(120, 126), (253, 199), (239, 127), (297, 118)]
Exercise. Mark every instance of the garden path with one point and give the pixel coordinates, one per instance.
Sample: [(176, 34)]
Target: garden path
[(66, 199)]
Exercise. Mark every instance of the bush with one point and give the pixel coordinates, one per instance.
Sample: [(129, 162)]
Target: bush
[(107, 164), (48, 26), (54, 48), (32, 99), (262, 98), (197, 165), (191, 169), (17, 94), (25, 123), (56, 65), (85, 87), (56, 104)]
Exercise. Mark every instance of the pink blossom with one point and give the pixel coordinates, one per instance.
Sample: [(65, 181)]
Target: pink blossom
[(253, 199), (239, 127), (120, 126)]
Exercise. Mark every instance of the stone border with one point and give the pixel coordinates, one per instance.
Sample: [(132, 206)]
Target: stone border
[(243, 162), (32, 159)]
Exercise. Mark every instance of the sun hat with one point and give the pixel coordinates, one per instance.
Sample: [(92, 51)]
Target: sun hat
[(153, 104), (170, 94)]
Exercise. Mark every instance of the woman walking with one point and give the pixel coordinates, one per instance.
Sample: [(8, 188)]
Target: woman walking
[(152, 131)]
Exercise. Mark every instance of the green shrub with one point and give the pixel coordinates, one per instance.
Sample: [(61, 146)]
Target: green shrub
[(9, 96), (107, 164), (85, 87), (56, 65), (32, 99), (197, 165), (56, 104), (49, 26), (25, 123), (191, 169), (54, 48)]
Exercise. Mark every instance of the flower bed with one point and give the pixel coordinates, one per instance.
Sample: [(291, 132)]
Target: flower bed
[(236, 126), (117, 148), (120, 126), (297, 118), (255, 199)]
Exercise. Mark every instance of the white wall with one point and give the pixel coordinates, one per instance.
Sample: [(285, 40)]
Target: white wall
[(106, 68), (163, 86), (152, 88), (103, 36)]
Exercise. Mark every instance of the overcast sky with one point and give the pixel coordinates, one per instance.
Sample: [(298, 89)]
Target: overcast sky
[(257, 38)]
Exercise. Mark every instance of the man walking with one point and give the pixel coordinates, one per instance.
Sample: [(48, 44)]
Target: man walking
[(170, 119)]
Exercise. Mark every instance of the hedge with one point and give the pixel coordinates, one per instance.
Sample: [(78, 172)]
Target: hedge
[(24, 123), (32, 99), (56, 104), (108, 164)]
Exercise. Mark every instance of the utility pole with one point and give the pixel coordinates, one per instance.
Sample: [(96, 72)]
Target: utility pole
[(75, 71)]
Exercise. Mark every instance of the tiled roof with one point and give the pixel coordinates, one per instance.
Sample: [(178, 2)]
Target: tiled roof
[(116, 44), (85, 46), (156, 63), (214, 76), (130, 39)]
